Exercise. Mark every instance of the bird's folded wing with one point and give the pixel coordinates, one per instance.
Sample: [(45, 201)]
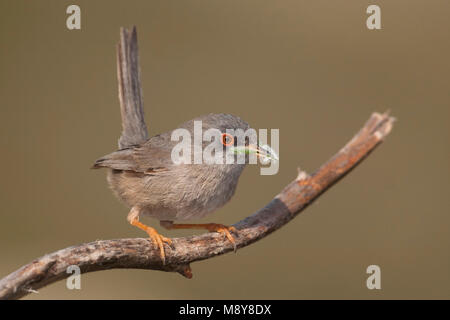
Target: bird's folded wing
[(151, 158), (119, 160)]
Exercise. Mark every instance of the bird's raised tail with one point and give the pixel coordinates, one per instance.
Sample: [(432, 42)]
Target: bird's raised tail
[(134, 129)]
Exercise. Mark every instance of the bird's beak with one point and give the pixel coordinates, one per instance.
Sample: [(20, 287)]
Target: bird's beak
[(264, 152)]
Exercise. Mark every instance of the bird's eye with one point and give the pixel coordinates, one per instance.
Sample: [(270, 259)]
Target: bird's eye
[(227, 139)]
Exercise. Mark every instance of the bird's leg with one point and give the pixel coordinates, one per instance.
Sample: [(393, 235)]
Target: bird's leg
[(133, 219), (211, 227)]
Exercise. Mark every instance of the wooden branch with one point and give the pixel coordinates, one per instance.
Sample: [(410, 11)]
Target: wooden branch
[(142, 254)]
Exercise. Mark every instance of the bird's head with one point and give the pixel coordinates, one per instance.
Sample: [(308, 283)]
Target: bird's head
[(234, 137)]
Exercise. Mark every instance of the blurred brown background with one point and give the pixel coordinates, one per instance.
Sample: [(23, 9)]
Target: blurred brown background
[(310, 68)]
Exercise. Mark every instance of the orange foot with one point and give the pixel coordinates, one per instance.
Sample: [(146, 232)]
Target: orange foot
[(211, 227), (155, 237)]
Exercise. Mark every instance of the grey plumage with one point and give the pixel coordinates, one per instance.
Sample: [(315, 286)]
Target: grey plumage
[(130, 91), (145, 176), (142, 173)]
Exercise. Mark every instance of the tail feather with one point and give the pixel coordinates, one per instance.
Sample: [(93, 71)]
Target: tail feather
[(130, 91)]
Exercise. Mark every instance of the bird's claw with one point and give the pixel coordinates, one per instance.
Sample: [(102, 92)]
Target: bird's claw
[(216, 227), (159, 240)]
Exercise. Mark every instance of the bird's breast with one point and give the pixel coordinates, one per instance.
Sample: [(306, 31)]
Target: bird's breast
[(182, 193)]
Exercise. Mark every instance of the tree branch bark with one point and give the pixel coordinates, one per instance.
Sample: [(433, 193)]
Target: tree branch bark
[(142, 254)]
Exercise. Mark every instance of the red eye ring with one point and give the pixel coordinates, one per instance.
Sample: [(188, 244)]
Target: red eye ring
[(230, 138)]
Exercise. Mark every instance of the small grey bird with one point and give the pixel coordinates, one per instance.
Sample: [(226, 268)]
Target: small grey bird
[(146, 178), (143, 175)]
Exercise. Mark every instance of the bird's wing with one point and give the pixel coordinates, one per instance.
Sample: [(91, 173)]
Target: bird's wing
[(134, 129), (152, 157), (119, 160)]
